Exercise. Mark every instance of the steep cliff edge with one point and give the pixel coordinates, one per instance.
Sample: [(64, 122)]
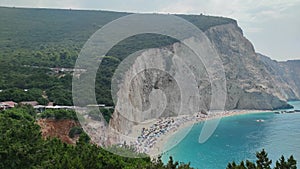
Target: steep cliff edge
[(285, 75), (292, 71), (251, 83), (252, 80)]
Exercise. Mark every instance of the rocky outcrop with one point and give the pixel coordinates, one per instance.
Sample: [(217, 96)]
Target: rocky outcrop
[(292, 72), (282, 75), (253, 81), (156, 84)]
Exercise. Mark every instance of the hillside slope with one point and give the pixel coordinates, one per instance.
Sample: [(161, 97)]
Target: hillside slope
[(53, 38)]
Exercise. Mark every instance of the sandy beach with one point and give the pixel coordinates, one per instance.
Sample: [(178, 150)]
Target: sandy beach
[(153, 135)]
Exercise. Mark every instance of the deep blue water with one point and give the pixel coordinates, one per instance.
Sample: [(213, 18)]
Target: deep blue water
[(239, 137)]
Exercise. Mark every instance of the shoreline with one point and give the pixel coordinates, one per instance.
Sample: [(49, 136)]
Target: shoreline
[(154, 134)]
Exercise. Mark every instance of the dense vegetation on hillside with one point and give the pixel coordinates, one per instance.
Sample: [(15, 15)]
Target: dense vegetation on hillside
[(22, 146), (34, 40), (58, 114)]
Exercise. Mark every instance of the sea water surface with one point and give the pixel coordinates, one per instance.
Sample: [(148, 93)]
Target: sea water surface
[(239, 137)]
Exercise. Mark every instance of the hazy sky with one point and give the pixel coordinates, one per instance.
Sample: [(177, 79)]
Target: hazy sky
[(273, 26)]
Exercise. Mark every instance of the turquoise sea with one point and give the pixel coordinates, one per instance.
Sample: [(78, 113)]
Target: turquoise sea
[(239, 137)]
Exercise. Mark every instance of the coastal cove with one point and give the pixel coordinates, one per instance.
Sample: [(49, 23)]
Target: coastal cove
[(238, 138)]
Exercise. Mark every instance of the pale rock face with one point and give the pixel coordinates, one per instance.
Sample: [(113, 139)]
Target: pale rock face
[(286, 74), (159, 83), (252, 81), (250, 84), (291, 74)]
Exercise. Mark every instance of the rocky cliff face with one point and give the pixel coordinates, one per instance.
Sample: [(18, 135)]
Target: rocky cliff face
[(157, 85), (291, 70), (285, 75), (253, 81)]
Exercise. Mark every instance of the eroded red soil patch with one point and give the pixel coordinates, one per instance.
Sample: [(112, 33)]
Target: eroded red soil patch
[(58, 128)]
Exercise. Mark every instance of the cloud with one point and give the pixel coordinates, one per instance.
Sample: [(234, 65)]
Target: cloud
[(253, 29), (243, 10), (42, 3)]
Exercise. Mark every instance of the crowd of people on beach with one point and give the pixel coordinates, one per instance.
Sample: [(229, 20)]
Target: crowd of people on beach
[(146, 141), (150, 136)]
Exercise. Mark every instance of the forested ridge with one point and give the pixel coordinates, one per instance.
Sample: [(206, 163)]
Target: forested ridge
[(34, 40)]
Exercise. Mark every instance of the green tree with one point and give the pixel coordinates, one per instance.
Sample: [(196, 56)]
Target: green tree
[(263, 162), (283, 164)]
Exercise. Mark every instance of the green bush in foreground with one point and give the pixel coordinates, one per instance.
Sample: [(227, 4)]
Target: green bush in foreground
[(59, 114), (263, 162)]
